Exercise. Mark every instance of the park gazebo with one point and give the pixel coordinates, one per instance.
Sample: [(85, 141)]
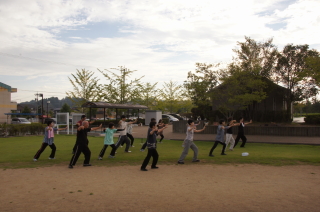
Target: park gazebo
[(105, 105)]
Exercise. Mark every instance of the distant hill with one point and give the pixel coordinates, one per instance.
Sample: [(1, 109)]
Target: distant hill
[(55, 102)]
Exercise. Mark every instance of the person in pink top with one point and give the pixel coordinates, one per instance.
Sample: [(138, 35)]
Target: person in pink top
[(48, 140)]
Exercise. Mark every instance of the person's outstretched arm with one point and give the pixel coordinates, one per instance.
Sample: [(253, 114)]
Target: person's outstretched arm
[(201, 129), (96, 128)]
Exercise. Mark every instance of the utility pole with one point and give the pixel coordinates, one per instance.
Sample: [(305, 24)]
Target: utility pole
[(41, 95)]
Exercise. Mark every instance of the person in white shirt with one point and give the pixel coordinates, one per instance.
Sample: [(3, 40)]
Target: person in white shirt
[(123, 138)]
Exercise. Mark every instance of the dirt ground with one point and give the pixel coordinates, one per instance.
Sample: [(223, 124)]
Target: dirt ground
[(195, 187)]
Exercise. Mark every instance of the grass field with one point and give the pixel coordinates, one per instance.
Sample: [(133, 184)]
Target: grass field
[(18, 152)]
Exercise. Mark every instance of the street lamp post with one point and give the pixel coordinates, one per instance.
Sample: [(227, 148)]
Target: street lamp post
[(48, 102)]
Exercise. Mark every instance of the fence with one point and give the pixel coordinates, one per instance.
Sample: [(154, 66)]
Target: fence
[(180, 127)]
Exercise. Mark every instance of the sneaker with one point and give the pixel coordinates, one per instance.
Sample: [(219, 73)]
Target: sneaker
[(110, 156), (155, 167), (223, 154), (35, 160), (100, 158), (121, 146), (141, 150), (180, 162), (144, 169), (196, 160), (242, 146), (127, 151), (231, 149), (51, 158), (132, 146), (211, 155), (70, 167), (87, 164)]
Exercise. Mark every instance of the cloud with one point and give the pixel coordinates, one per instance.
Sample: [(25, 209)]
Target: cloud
[(46, 41)]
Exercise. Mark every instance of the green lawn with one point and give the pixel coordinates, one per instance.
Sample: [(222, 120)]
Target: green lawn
[(18, 152)]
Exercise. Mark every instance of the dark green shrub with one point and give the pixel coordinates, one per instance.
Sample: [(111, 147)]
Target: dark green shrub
[(23, 129), (312, 119), (165, 120)]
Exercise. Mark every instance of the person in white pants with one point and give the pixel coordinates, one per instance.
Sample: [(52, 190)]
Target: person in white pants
[(229, 136)]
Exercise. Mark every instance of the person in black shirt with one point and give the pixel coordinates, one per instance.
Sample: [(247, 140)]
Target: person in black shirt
[(79, 123), (241, 133), (82, 145), (152, 146), (145, 143)]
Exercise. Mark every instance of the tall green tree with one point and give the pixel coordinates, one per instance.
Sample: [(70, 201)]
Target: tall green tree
[(65, 108), (245, 80), (170, 96), (26, 109), (119, 88), (257, 58), (239, 91), (201, 82), (313, 68), (148, 94), (85, 87), (291, 71)]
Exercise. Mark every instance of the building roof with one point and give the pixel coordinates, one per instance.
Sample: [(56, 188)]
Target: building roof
[(7, 87), (112, 105)]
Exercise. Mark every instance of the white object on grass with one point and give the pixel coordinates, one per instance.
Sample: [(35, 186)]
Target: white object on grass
[(245, 154)]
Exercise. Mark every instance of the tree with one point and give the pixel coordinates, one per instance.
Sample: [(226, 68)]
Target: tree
[(245, 80), (198, 84), (291, 70), (85, 88), (148, 94), (239, 91), (257, 58), (170, 96), (26, 109), (313, 68), (119, 89), (65, 108)]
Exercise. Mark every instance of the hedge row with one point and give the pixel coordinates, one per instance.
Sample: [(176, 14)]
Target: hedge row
[(312, 119), (23, 129)]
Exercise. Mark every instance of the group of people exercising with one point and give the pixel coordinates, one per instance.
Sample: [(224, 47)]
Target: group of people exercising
[(155, 129)]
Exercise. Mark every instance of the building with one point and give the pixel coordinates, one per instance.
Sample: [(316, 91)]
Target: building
[(273, 108), (6, 105)]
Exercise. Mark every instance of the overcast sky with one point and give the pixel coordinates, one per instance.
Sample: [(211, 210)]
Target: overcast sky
[(44, 41)]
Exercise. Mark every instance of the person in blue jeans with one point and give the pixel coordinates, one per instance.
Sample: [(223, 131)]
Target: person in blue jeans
[(220, 138)]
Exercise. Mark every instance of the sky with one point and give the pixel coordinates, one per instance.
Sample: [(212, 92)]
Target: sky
[(43, 42)]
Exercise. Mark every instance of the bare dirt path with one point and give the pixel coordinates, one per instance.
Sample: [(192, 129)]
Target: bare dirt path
[(170, 188)]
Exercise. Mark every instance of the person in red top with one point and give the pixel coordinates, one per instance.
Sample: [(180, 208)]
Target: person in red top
[(79, 124)]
